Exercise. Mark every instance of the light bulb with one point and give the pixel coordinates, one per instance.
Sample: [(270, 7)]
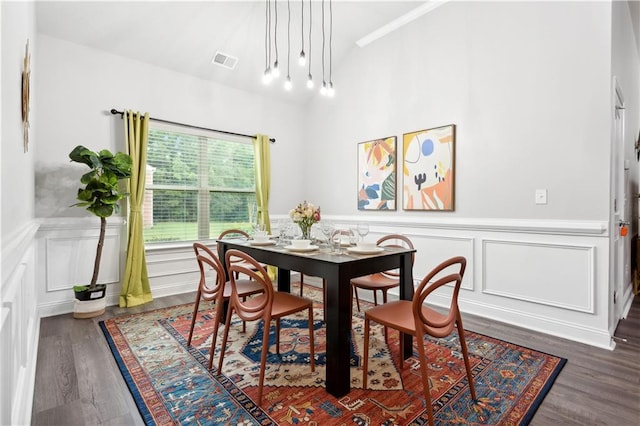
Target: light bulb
[(275, 71), (302, 60), (323, 89), (287, 83), (330, 91), (310, 82), (267, 77)]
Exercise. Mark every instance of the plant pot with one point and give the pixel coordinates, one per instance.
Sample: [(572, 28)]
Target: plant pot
[(92, 294), (90, 303)]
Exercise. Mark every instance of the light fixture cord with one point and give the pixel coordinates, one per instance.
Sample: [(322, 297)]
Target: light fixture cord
[(266, 34), (310, 21), (302, 26), (323, 41), (288, 36), (330, 41), (269, 2), (275, 29)]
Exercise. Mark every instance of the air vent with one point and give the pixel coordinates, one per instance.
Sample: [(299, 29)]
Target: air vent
[(225, 60)]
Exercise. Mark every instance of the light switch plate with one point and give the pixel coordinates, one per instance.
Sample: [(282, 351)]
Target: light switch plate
[(541, 196)]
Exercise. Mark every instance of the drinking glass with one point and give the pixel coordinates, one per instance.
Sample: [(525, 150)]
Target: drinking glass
[(363, 230), (327, 230)]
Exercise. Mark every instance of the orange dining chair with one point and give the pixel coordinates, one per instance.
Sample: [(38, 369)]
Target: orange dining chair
[(413, 317), (235, 233), (269, 305), (212, 287), (382, 281)]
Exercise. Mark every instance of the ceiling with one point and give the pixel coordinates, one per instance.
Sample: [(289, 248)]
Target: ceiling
[(184, 36)]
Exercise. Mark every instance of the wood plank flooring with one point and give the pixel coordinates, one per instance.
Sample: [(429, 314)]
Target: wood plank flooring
[(78, 382)]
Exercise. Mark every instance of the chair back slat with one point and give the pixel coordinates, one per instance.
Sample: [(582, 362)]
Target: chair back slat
[(211, 279), (256, 307), (433, 281)]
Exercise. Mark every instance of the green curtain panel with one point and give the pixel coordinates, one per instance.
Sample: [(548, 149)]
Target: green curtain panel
[(135, 286), (262, 154)]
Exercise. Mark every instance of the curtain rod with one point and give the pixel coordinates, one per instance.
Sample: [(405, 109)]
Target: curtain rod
[(115, 111)]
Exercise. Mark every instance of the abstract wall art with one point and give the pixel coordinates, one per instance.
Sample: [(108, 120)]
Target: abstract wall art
[(428, 169), (377, 174)]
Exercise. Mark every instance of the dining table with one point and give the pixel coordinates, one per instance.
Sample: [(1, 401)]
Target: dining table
[(337, 269)]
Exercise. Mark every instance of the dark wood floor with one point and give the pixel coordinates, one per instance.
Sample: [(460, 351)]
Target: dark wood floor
[(78, 382)]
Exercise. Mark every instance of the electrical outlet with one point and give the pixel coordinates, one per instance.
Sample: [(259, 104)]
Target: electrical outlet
[(541, 196)]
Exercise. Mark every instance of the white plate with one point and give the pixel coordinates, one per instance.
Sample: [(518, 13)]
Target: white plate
[(302, 249), (365, 251), (262, 243)]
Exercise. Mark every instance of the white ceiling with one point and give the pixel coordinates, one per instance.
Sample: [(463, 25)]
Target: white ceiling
[(184, 36)]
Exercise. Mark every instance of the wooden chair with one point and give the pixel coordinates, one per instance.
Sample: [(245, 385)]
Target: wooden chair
[(216, 289), (267, 306), (412, 317), (382, 281)]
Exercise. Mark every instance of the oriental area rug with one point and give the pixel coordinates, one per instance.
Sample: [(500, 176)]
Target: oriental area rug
[(171, 383)]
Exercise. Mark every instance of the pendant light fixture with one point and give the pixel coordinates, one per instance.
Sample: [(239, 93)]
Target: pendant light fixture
[(302, 59), (287, 83), (330, 90), (266, 76), (323, 88), (276, 69), (273, 67), (309, 77)]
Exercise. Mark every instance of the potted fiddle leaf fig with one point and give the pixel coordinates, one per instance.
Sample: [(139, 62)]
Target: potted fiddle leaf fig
[(100, 195)]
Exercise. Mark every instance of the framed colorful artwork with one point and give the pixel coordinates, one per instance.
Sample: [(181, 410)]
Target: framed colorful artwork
[(377, 174), (429, 169)]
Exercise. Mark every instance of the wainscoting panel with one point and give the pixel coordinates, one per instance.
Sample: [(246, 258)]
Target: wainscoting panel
[(559, 275), (70, 260), (434, 249), (19, 327), (551, 276)]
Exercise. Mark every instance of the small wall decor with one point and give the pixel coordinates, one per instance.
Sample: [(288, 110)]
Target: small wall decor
[(25, 97), (428, 169), (377, 174)]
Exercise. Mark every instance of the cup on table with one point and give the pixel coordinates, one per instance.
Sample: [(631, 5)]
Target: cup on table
[(260, 236), (300, 244)]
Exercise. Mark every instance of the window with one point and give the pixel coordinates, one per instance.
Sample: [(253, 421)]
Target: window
[(198, 184)]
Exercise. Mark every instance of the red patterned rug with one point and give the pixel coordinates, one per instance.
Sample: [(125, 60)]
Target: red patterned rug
[(171, 384)]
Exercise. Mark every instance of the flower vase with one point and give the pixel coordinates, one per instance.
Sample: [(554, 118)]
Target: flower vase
[(306, 232)]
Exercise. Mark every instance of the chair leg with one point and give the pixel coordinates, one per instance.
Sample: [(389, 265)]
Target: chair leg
[(224, 338), (193, 317), (263, 359), (244, 323), (384, 300), (312, 360), (465, 354), (365, 361), (216, 326), (277, 335), (425, 375), (375, 298), (355, 293)]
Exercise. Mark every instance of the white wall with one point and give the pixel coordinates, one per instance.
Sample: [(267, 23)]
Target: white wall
[(19, 323), (526, 83), (80, 84)]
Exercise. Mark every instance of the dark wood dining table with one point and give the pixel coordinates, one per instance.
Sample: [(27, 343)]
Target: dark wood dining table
[(337, 270)]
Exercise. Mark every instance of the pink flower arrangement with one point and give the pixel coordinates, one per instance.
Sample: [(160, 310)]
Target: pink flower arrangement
[(305, 215)]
